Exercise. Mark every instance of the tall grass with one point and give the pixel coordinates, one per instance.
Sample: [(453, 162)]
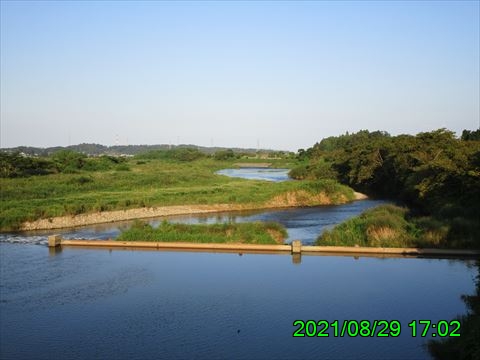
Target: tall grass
[(147, 183), (248, 233), (392, 226)]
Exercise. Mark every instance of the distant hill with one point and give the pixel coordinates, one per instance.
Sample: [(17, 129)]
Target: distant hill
[(97, 149)]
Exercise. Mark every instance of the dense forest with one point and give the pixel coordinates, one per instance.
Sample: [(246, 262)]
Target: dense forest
[(434, 173)]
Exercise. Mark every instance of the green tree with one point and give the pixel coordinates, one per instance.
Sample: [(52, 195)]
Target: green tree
[(68, 160), (224, 155), (468, 135), (20, 165)]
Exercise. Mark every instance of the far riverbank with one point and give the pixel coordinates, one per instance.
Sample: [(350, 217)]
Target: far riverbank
[(290, 200)]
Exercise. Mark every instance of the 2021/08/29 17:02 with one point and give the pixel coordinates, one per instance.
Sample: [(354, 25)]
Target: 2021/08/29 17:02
[(378, 328)]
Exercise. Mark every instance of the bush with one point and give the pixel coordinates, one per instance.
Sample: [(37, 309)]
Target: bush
[(224, 155), (68, 161), (17, 165), (300, 172), (383, 226), (102, 163)]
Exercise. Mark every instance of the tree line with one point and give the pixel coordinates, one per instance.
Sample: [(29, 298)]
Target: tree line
[(434, 173), (14, 165)]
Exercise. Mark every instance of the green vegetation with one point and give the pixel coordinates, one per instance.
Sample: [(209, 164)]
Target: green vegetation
[(64, 161), (391, 226), (468, 135), (102, 184), (435, 174), (247, 233), (466, 346), (16, 165), (130, 150), (224, 155)]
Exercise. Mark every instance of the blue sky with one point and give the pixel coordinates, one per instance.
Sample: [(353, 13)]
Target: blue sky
[(284, 74)]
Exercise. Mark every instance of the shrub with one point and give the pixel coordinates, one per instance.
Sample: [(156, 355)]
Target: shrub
[(224, 155), (68, 161), (17, 165)]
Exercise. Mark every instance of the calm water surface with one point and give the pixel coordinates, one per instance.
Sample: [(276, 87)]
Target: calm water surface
[(257, 173), (86, 304), (118, 304)]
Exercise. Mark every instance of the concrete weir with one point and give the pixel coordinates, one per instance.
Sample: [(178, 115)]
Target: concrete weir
[(295, 247)]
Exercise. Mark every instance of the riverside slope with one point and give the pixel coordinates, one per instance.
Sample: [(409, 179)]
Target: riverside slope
[(289, 200)]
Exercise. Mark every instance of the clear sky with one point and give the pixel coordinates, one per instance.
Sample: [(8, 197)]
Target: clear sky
[(284, 74)]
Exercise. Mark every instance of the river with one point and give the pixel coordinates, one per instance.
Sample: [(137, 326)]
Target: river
[(257, 173), (76, 303), (114, 304)]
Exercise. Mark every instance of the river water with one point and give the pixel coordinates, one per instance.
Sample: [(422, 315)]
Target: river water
[(114, 304), (257, 173), (76, 303)]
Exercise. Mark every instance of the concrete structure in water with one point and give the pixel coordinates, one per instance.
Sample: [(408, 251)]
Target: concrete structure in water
[(295, 247), (54, 240)]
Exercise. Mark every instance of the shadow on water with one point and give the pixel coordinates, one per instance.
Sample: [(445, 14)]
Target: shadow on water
[(467, 345)]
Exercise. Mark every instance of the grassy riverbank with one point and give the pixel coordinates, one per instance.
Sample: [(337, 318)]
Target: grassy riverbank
[(149, 183), (245, 233), (393, 226)]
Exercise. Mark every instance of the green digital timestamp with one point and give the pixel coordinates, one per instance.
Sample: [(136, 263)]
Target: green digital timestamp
[(347, 328), (375, 328), (441, 328)]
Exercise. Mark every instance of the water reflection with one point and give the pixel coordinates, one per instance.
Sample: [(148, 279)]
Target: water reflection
[(257, 174), (467, 345), (158, 304), (296, 258), (53, 251)]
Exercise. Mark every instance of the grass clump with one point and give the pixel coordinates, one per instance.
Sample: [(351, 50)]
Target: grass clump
[(246, 233), (392, 226), (335, 191)]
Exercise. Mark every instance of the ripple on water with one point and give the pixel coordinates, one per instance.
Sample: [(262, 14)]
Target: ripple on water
[(24, 239)]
